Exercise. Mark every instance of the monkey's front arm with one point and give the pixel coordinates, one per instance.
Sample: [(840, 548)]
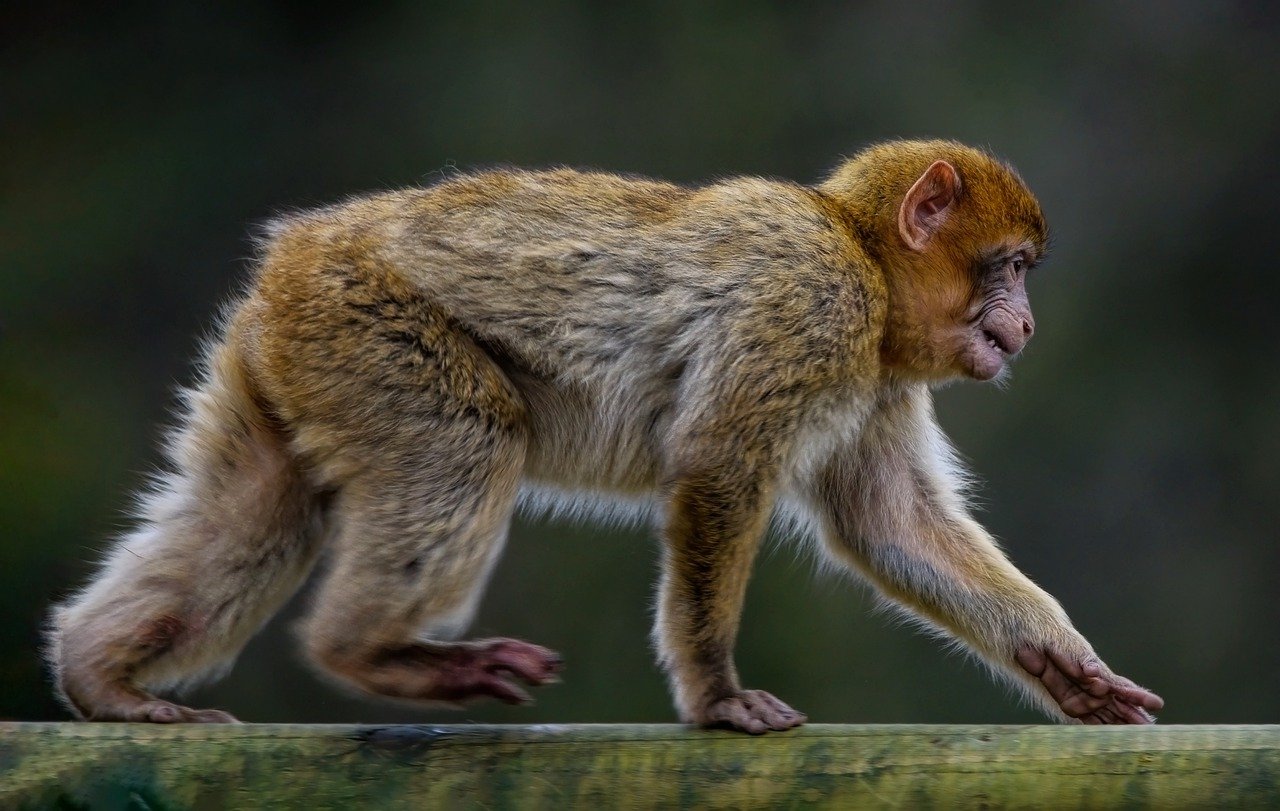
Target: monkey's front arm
[(723, 462), (891, 510)]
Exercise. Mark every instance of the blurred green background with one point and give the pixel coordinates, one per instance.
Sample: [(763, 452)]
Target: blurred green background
[(1131, 468)]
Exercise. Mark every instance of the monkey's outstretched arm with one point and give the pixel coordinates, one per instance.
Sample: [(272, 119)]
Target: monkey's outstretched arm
[(892, 510)]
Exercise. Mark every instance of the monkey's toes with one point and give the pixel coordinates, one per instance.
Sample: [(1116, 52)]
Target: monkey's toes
[(488, 667), (532, 664), (751, 711), (165, 712)]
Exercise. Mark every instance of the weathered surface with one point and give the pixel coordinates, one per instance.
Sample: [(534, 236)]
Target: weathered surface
[(553, 766)]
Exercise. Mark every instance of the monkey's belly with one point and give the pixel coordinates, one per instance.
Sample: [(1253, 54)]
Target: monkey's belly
[(580, 442), (584, 467), (592, 454)]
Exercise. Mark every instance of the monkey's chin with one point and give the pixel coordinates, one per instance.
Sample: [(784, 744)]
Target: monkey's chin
[(983, 361)]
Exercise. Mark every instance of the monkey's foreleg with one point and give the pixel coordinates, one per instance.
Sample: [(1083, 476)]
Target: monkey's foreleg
[(714, 525), (957, 579), (891, 512)]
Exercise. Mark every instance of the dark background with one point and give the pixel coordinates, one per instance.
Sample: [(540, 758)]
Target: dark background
[(1130, 469)]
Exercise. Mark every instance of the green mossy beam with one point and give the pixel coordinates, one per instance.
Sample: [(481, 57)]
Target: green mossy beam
[(607, 766)]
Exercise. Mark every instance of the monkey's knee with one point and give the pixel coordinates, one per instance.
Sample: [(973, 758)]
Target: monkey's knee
[(337, 638), (360, 663), (334, 660)]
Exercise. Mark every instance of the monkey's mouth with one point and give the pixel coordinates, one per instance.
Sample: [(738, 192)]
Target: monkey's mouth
[(987, 354), (994, 342)]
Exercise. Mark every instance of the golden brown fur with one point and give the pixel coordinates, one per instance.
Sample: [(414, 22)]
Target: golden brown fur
[(406, 362)]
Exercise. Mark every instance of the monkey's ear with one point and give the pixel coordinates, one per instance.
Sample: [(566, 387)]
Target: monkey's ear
[(928, 204)]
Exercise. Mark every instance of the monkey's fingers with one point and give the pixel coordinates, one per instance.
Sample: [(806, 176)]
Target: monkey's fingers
[(1130, 713), (1118, 712), (1099, 681), (1139, 697), (1087, 691)]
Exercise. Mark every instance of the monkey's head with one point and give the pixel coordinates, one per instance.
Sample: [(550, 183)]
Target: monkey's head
[(956, 232)]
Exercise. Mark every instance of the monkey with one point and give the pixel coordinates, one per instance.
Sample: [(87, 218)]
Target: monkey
[(408, 367)]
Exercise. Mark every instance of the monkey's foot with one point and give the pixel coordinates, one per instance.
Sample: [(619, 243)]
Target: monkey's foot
[(486, 669), (125, 703), (1087, 691), (752, 711)]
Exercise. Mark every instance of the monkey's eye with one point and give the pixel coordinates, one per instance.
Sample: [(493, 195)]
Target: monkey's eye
[(1018, 264)]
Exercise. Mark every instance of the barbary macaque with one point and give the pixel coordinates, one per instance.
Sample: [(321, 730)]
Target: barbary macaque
[(408, 366)]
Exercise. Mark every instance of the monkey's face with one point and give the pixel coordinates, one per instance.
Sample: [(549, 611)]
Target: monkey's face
[(996, 323), (957, 310), (958, 280)]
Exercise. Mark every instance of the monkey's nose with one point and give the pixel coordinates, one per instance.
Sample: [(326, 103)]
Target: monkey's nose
[(1027, 328)]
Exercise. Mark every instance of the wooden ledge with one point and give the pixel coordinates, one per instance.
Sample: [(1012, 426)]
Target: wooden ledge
[(608, 766)]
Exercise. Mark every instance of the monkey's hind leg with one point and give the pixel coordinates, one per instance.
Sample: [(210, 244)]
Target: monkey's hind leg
[(224, 539), (419, 531), (423, 438)]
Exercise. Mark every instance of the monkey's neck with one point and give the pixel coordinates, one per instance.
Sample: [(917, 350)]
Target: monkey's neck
[(869, 218)]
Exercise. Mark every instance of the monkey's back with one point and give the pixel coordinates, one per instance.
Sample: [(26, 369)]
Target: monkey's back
[(593, 293)]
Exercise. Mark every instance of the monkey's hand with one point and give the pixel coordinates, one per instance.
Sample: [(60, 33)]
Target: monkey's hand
[(1087, 690), (753, 711)]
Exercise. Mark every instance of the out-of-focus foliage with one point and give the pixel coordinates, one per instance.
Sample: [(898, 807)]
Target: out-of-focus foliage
[(1132, 468)]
